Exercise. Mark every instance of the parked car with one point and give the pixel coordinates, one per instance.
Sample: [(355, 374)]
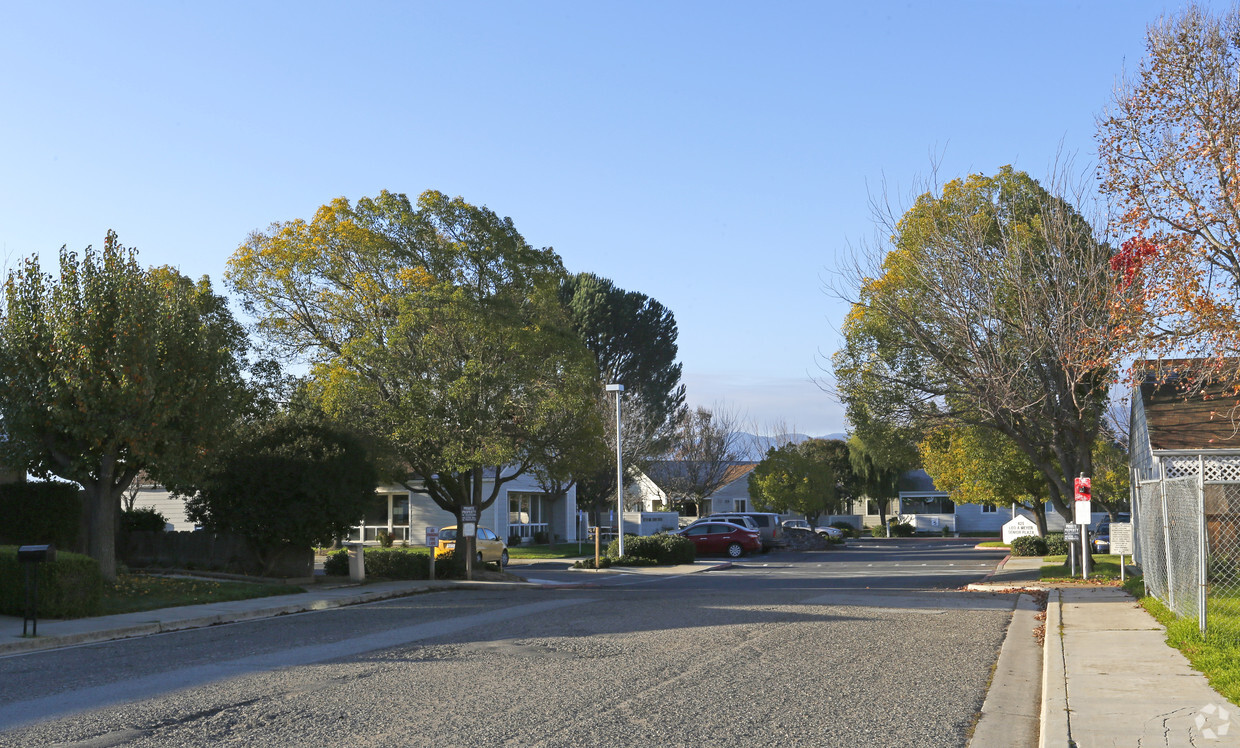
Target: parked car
[(834, 533), (722, 537), (746, 522), (1100, 539), (768, 525), (488, 545)]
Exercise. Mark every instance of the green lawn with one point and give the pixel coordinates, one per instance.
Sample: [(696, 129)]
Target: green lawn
[(1056, 568), (993, 544), (557, 550), (137, 592)]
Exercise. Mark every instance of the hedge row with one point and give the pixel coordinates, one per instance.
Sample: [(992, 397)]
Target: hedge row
[(38, 513), (661, 549), (396, 563), (69, 587)]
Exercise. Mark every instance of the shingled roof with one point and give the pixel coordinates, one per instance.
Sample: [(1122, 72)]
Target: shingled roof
[(1183, 416)]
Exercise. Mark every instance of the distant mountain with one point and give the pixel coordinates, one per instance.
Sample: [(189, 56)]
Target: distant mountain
[(754, 447)]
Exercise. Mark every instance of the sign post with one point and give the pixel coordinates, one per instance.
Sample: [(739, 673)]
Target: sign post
[(1121, 543), (466, 532), (1083, 518), (1072, 535), (432, 542)]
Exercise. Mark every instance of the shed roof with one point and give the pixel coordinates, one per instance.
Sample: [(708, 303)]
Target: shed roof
[(1198, 416)]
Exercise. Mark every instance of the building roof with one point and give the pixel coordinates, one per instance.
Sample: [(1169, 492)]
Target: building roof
[(1180, 415)]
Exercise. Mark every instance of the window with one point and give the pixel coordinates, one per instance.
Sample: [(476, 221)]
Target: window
[(525, 508), (927, 505), (989, 508)]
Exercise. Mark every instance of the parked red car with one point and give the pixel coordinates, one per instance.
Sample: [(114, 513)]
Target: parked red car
[(722, 537)]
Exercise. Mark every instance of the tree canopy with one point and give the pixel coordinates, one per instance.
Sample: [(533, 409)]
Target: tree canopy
[(809, 479), (111, 370), (991, 306), (633, 341), (1168, 148), (979, 466), (290, 480), (437, 327)]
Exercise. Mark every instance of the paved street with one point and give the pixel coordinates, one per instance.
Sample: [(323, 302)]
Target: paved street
[(867, 646)]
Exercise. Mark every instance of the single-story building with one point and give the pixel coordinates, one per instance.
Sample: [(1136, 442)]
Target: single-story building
[(731, 496), (522, 509)]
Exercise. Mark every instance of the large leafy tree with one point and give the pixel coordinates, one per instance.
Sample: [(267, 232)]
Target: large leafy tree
[(1168, 146), (876, 469), (808, 478), (288, 481), (438, 328), (632, 338), (978, 466), (111, 370), (989, 307)]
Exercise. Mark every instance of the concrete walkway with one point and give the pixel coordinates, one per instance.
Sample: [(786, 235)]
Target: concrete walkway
[(1109, 678), (63, 633)]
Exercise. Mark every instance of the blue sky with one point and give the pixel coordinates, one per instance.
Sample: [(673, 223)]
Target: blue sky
[(716, 156)]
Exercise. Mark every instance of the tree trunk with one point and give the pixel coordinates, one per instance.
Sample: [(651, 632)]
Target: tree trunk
[(102, 543)]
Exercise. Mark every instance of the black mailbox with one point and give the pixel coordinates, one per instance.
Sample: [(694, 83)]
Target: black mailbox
[(34, 554), (28, 556)]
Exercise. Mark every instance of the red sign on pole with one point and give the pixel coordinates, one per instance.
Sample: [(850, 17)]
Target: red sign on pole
[(1082, 489)]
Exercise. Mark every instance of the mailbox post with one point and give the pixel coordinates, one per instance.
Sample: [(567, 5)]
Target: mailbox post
[(30, 556)]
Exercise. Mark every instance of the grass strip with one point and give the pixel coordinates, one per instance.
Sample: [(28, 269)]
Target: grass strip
[(1217, 656), (137, 592), (1056, 569), (557, 550)]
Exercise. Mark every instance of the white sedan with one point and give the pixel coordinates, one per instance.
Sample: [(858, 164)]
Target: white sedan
[(834, 533)]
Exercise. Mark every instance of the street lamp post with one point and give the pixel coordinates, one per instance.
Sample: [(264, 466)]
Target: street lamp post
[(619, 388)]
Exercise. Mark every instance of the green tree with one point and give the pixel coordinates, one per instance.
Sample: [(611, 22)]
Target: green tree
[(287, 482), (633, 341), (438, 328), (977, 466), (990, 307), (802, 478), (876, 470), (111, 370)]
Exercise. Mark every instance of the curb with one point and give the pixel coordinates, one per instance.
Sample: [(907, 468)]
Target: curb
[(1053, 725), (22, 646)]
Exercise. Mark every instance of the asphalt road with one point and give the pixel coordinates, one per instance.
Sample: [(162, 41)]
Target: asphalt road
[(870, 646)]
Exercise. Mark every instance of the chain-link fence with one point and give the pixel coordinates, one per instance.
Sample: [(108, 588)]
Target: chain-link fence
[(1188, 545)]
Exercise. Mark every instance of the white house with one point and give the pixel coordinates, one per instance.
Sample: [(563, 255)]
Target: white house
[(732, 496), (522, 508)]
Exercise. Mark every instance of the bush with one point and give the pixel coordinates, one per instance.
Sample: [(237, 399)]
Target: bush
[(69, 587), (1028, 545), (604, 562), (384, 538), (661, 549), (145, 519), (38, 513), (337, 563), (846, 527), (1056, 545), (514, 540), (898, 530), (299, 480), (542, 538), (399, 563), (449, 565)]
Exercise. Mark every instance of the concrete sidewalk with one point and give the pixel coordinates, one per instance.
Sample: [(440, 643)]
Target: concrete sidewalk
[(55, 633), (1109, 678)]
